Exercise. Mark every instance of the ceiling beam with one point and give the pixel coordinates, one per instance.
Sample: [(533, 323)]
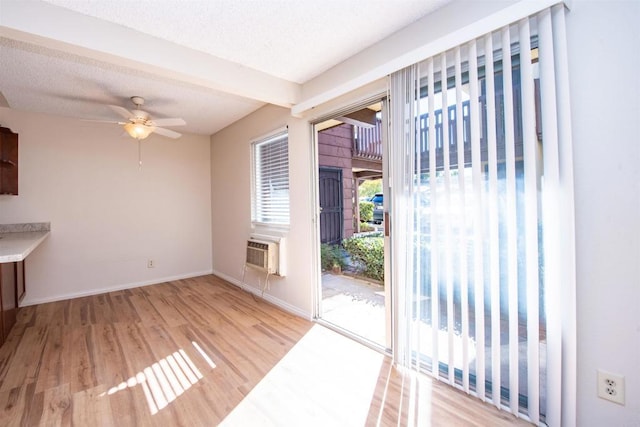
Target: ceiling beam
[(53, 27)]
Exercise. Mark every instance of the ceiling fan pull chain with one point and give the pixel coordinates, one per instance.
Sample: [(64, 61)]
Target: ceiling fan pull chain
[(139, 155)]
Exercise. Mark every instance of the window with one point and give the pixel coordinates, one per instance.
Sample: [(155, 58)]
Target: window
[(270, 204)]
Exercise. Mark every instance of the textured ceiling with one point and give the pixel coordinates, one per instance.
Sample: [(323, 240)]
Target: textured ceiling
[(291, 40), (73, 86), (48, 81)]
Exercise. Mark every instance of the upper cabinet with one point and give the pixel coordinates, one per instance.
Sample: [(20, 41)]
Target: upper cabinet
[(8, 162)]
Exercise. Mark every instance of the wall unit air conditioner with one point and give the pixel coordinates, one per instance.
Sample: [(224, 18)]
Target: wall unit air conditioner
[(267, 253), (263, 255)]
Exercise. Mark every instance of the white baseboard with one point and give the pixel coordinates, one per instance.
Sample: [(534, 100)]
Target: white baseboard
[(270, 298), (29, 301)]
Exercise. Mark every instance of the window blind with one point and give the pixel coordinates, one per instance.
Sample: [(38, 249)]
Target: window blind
[(271, 180), (476, 202)]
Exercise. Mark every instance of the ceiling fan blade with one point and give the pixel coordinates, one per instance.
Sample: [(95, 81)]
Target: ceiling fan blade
[(3, 101), (102, 121), (122, 111), (168, 133), (169, 122)]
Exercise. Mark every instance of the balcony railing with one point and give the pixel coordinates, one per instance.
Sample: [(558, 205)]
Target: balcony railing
[(368, 141)]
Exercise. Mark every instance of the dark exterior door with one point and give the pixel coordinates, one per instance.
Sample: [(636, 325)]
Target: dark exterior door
[(331, 220)]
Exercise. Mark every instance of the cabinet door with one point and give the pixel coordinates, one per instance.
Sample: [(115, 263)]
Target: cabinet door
[(20, 282), (8, 162), (8, 292)]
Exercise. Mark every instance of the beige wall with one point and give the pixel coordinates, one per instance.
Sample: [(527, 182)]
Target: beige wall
[(602, 39), (231, 207), (107, 216)]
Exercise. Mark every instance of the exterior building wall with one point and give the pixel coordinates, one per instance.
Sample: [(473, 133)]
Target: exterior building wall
[(335, 150)]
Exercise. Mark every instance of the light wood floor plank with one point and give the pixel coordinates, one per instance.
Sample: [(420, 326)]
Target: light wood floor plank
[(51, 372), (24, 364), (13, 405), (146, 310), (90, 408), (56, 408), (201, 352)]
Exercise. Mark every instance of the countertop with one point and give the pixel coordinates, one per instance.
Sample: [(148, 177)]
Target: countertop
[(16, 245)]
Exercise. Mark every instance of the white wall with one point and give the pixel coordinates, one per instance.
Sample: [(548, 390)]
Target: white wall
[(231, 207), (107, 216), (604, 59)]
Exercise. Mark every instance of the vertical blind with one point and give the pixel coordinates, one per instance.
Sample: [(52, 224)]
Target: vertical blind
[(477, 196), (271, 180)]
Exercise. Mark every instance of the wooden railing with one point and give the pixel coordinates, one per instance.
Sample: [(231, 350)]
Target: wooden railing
[(367, 143)]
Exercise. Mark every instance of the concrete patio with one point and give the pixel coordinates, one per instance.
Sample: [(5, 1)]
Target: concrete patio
[(355, 305)]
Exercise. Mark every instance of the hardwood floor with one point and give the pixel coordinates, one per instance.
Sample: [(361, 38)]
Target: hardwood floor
[(203, 352)]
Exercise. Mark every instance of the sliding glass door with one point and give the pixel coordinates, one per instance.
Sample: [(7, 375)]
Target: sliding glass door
[(353, 292), (476, 218)]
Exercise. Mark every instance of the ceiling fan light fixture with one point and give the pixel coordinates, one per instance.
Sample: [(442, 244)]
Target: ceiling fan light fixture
[(138, 130)]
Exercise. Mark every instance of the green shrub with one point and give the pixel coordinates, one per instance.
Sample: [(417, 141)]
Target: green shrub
[(366, 211), (330, 256), (364, 227), (368, 253)]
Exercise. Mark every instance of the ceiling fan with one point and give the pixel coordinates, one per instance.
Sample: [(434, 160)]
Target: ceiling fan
[(140, 125)]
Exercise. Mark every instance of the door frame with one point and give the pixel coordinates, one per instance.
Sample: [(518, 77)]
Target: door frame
[(315, 192)]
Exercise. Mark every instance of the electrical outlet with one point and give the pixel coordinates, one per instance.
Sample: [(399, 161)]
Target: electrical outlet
[(150, 264), (611, 387)]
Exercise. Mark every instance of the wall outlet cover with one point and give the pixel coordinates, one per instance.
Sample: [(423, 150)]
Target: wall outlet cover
[(611, 387)]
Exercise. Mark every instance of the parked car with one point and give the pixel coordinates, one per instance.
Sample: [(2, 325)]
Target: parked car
[(378, 208)]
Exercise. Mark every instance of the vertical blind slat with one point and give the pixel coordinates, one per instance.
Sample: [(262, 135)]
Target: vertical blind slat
[(478, 234), (564, 352), (435, 294), (414, 156), (462, 244), (531, 219), (511, 220), (400, 245), (494, 262), (447, 222), (551, 213)]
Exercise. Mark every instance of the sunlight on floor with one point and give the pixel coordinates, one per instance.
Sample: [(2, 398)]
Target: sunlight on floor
[(165, 380), (419, 399), (325, 379)]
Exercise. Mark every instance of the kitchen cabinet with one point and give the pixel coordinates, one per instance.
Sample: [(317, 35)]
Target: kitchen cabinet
[(17, 241), (8, 162), (12, 290), (8, 300), (20, 286)]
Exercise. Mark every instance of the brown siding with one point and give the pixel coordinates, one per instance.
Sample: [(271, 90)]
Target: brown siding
[(331, 151), (334, 150)]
